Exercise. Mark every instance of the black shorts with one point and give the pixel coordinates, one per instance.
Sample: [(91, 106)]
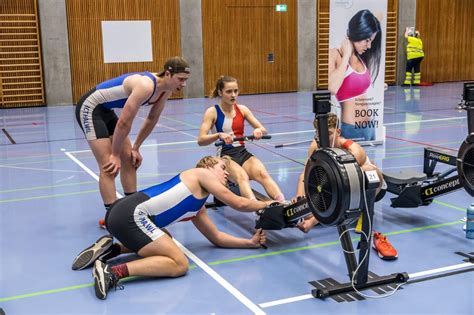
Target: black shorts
[(131, 226), (96, 121), (238, 154)]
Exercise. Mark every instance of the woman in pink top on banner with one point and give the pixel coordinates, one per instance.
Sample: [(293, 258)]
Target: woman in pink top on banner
[(353, 67)]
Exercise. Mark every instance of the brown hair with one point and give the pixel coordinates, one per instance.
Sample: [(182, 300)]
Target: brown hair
[(210, 161), (175, 65), (332, 121), (223, 79)]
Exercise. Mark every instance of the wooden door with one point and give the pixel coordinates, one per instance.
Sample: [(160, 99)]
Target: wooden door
[(446, 29), (241, 36)]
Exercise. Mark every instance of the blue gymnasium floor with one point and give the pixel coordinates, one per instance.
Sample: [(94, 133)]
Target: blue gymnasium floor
[(50, 206)]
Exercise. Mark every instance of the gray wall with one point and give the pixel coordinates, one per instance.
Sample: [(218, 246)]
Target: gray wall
[(306, 45), (55, 52), (191, 46), (406, 17)]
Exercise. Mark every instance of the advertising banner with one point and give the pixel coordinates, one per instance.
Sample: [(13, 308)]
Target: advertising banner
[(357, 36)]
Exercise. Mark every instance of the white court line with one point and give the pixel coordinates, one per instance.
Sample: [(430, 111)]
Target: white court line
[(291, 132), (420, 274), (85, 168), (194, 141), (146, 145), (423, 121), (242, 298), (232, 290), (412, 277), (403, 167), (181, 122), (285, 301), (174, 129), (38, 169), (284, 133)]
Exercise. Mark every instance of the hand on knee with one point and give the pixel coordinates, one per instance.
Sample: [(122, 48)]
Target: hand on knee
[(106, 176)]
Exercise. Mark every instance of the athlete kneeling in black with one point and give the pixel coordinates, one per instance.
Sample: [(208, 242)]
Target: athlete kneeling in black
[(137, 221)]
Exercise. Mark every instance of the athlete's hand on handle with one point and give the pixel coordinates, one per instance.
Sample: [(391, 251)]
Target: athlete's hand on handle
[(259, 239), (225, 138), (136, 158), (297, 198), (270, 202), (112, 167), (244, 138), (257, 133)]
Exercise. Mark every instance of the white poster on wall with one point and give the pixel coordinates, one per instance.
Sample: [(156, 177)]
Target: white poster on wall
[(127, 41), (357, 36)]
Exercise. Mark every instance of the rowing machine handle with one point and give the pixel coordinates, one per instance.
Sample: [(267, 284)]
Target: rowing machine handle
[(244, 138)]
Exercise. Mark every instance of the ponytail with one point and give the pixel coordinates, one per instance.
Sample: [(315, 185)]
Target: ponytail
[(220, 83)]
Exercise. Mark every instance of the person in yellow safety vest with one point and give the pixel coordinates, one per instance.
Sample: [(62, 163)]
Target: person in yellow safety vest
[(415, 55)]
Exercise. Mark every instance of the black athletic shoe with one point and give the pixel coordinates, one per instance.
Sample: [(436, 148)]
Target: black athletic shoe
[(104, 280), (100, 248)]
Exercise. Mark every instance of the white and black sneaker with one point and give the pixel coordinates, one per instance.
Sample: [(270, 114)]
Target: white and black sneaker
[(100, 248), (104, 280)]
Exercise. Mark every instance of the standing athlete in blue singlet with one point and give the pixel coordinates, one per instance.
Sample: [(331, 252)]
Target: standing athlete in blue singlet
[(226, 122), (107, 134), (137, 219)]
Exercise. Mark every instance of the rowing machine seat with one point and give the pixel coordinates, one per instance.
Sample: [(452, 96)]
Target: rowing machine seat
[(404, 177), (407, 185)]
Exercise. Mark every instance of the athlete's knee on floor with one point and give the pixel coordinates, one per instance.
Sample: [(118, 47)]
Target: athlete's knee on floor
[(182, 266)]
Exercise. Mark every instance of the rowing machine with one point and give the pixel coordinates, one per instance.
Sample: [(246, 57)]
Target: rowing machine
[(419, 189), (278, 216), (338, 192), (415, 189), (275, 216)]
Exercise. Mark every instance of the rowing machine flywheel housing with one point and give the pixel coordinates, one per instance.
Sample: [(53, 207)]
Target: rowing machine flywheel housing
[(465, 164), (333, 186)]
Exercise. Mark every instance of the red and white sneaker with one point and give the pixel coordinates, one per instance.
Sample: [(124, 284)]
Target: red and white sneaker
[(384, 249)]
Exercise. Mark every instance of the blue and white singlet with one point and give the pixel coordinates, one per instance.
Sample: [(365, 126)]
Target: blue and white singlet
[(170, 202)]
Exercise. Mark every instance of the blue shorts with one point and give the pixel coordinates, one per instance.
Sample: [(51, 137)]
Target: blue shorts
[(349, 131)]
